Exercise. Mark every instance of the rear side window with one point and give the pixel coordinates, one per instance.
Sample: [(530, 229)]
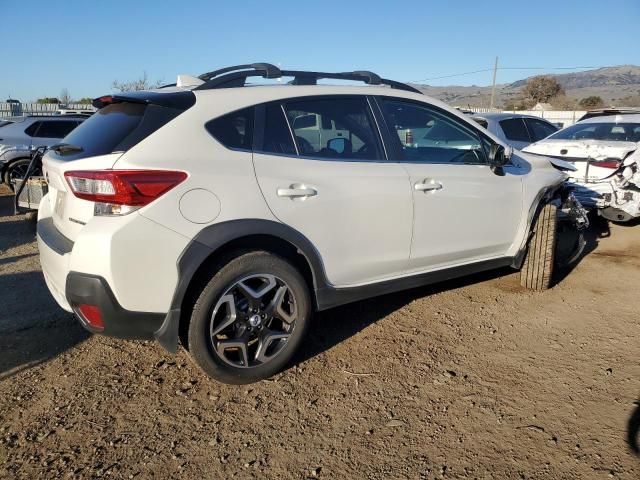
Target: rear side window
[(515, 129), (117, 127), (345, 130), (234, 130), (56, 129), (539, 129)]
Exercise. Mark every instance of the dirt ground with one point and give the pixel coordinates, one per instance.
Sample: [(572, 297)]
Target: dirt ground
[(474, 378)]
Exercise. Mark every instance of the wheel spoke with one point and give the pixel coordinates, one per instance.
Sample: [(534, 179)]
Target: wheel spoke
[(254, 296), (228, 320), (275, 307), (239, 344), (266, 339)]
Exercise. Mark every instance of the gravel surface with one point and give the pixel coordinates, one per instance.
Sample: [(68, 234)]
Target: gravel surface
[(474, 378)]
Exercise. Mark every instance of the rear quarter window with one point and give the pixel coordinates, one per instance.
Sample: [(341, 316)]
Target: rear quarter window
[(234, 130)]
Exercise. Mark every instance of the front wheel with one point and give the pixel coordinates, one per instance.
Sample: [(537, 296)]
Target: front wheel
[(250, 319), (16, 171), (537, 268)]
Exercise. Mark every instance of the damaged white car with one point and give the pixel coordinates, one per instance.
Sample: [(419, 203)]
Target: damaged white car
[(606, 153)]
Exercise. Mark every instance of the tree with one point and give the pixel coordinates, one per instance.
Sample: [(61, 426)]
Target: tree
[(141, 83), (48, 100), (541, 89), (592, 102), (65, 98), (85, 101), (562, 102)]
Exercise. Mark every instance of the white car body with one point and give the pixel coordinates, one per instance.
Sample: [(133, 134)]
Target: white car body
[(363, 227), (607, 173)]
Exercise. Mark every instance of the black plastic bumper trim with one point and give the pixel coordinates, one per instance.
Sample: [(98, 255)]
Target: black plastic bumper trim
[(52, 237), (82, 288)]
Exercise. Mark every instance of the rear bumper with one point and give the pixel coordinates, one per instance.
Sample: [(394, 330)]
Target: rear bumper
[(118, 322), (54, 258)]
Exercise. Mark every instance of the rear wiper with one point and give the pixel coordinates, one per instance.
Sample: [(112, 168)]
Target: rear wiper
[(63, 148)]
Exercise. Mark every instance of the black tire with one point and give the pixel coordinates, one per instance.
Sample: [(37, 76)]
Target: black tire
[(202, 338), (10, 172), (537, 268)]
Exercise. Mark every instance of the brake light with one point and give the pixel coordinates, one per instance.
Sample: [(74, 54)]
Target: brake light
[(607, 164), (118, 192), (92, 315)]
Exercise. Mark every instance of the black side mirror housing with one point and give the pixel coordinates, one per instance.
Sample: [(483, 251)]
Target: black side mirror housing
[(499, 155)]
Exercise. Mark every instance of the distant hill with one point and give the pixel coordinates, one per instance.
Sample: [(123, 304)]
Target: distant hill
[(610, 83)]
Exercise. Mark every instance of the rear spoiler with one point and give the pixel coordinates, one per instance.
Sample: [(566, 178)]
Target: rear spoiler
[(179, 100)]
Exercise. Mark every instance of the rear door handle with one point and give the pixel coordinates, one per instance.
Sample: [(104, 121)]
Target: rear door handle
[(297, 192), (427, 186)]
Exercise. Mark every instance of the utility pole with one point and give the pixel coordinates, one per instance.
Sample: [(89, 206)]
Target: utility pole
[(493, 87)]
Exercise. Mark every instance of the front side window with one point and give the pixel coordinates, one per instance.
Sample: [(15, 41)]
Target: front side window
[(539, 129), (234, 130), (430, 136), (515, 129), (342, 128)]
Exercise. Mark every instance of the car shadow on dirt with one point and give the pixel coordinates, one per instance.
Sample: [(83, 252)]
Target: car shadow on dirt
[(14, 233), (331, 327), (598, 229), (33, 328)]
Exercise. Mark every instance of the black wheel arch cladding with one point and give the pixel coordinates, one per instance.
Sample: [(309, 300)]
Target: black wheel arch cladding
[(212, 239)]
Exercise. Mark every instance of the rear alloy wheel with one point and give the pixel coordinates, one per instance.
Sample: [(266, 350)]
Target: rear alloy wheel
[(537, 268), (16, 171), (249, 319)]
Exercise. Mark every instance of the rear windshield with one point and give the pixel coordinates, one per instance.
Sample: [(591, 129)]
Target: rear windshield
[(622, 132), (117, 128)]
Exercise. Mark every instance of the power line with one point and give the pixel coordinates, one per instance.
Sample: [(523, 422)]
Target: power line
[(501, 68)]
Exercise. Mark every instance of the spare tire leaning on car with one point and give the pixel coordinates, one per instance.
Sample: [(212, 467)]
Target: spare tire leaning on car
[(537, 268)]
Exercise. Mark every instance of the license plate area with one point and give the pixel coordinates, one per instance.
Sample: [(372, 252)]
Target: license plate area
[(58, 209)]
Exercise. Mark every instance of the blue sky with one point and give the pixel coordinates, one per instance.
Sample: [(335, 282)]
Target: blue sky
[(84, 45)]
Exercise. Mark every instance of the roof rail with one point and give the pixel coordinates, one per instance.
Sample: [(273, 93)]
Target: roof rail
[(266, 70), (236, 76)]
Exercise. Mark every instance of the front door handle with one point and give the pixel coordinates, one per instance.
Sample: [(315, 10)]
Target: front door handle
[(427, 186), (297, 192)]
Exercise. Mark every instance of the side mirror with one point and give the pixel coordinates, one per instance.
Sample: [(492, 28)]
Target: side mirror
[(499, 155), (338, 145)]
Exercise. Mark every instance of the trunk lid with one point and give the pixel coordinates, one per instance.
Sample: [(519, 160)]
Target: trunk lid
[(121, 122)]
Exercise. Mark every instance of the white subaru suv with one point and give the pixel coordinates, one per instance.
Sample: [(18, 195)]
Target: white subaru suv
[(223, 214)]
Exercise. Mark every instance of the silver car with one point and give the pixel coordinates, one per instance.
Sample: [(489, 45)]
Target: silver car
[(20, 135), (515, 129)]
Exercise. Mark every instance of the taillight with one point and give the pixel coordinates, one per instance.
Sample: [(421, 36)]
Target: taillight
[(606, 164), (118, 192)]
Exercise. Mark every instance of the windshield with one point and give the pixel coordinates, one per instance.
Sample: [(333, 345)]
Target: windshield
[(621, 132)]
